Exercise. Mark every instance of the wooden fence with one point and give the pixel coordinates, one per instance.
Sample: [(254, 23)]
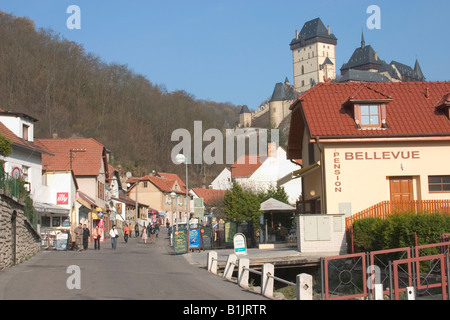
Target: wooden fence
[(386, 208)]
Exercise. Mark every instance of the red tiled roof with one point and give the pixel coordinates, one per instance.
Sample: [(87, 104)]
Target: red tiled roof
[(86, 162), (209, 195), (21, 142), (411, 111), (245, 166), (165, 183)]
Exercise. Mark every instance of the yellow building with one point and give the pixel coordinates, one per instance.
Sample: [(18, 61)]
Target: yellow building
[(369, 145)]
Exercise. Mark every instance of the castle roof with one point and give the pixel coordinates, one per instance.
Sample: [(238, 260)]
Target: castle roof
[(284, 91), (244, 109), (363, 75), (314, 29)]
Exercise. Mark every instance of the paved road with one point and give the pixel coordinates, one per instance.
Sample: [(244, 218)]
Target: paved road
[(133, 271)]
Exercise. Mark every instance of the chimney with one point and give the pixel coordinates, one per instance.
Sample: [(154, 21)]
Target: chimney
[(296, 34), (329, 30), (376, 56), (55, 136)]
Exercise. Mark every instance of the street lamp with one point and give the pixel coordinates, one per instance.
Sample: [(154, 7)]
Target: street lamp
[(180, 158), (173, 195)]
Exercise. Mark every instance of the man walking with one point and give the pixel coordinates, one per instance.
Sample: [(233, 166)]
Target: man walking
[(78, 235), (152, 234)]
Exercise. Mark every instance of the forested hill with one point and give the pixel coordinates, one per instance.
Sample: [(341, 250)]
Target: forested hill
[(74, 93)]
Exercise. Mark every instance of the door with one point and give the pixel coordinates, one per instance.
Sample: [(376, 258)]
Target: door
[(401, 189)]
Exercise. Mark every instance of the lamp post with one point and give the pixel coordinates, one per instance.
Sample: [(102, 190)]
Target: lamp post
[(180, 158), (173, 195)]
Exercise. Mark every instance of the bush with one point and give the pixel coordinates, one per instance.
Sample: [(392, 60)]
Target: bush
[(366, 233), (397, 231)]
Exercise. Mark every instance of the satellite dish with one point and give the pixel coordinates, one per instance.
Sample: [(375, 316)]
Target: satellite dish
[(129, 175)]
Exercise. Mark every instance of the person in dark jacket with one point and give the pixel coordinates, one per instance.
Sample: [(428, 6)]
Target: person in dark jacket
[(86, 235)]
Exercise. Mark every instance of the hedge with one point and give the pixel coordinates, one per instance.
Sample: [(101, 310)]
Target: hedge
[(397, 231)]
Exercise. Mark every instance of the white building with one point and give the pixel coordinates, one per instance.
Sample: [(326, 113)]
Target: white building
[(223, 181), (259, 173)]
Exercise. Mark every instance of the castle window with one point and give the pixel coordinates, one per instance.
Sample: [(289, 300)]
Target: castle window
[(303, 69)]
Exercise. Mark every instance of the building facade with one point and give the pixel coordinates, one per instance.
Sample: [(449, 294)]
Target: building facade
[(363, 144)]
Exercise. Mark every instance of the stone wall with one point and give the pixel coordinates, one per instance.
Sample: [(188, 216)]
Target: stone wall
[(19, 241)]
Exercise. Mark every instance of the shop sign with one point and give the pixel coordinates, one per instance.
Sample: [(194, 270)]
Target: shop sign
[(62, 198)]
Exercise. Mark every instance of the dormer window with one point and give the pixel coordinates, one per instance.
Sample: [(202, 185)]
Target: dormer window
[(370, 115), (369, 108)]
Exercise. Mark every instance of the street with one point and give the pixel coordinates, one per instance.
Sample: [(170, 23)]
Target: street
[(134, 271)]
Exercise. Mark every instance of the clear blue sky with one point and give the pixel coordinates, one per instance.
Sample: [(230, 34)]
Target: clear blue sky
[(236, 50)]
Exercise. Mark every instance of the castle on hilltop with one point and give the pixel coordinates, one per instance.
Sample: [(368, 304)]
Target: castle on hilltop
[(314, 61)]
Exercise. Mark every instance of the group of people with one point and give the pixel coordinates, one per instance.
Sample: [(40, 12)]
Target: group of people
[(151, 231), (80, 240), (82, 235)]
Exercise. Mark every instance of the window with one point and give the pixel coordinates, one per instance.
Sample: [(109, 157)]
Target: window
[(439, 183), (370, 115), (25, 132)]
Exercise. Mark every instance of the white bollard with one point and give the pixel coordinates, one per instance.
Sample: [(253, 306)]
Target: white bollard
[(229, 267), (212, 262), (266, 280), (379, 291), (410, 293), (243, 274), (304, 287)]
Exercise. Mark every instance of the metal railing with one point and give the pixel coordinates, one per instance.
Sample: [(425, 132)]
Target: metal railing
[(267, 274)]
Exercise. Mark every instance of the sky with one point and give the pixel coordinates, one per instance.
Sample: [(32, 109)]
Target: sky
[(237, 50)]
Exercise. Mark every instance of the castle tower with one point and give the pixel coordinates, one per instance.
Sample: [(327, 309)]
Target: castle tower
[(313, 53), (245, 117), (283, 96)]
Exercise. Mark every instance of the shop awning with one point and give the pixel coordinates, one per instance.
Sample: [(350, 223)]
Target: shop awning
[(298, 173), (50, 208)]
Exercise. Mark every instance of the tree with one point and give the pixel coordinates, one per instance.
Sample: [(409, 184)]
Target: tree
[(5, 146), (241, 205)]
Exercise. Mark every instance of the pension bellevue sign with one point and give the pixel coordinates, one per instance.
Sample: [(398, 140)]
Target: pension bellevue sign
[(382, 155), (338, 157)]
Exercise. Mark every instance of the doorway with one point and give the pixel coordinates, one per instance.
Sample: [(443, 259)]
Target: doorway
[(401, 192)]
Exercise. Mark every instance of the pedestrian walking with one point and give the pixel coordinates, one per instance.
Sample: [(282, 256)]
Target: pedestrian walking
[(86, 235), (157, 229), (78, 237), (152, 234), (149, 227), (136, 230), (144, 234), (97, 235), (126, 233), (169, 232), (114, 235)]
